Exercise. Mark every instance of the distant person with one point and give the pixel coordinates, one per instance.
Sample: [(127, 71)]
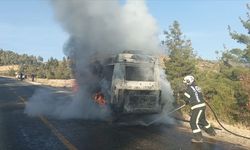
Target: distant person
[(32, 77), (194, 97), (21, 76)]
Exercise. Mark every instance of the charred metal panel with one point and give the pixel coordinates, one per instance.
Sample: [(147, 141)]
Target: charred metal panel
[(141, 101)]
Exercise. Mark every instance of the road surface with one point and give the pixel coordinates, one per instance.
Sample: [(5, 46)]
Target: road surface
[(18, 131)]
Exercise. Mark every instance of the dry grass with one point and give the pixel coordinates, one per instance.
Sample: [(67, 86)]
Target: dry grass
[(9, 67), (54, 82), (208, 65), (223, 135)]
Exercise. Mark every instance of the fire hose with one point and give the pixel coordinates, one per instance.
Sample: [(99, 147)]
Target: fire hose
[(223, 126), (213, 114)]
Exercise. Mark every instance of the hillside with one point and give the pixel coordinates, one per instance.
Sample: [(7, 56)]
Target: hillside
[(5, 70), (29, 64)]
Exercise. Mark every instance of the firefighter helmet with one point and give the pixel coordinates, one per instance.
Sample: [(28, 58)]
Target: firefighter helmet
[(188, 79)]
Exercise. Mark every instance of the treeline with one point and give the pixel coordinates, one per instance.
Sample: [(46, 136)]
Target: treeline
[(12, 58), (29, 64), (225, 83)]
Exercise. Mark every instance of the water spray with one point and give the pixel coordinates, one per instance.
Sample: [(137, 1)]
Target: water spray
[(159, 118)]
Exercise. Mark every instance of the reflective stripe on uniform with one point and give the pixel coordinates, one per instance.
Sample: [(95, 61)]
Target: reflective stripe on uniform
[(196, 94), (196, 130), (197, 122), (187, 95), (198, 106), (208, 126)]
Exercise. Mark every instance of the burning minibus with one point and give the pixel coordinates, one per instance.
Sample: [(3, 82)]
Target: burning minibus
[(129, 83)]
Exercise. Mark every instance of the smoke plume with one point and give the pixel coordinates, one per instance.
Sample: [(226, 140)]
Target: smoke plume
[(98, 29), (105, 26), (167, 97), (46, 102)]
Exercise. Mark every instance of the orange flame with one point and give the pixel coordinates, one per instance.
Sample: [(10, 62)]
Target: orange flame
[(99, 99)]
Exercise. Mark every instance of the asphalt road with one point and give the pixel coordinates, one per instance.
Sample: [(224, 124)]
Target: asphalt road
[(18, 131)]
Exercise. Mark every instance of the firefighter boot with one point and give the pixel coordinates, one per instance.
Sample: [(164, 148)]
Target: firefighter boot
[(210, 131), (197, 138)]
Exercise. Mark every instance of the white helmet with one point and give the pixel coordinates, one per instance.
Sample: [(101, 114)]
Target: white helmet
[(188, 80)]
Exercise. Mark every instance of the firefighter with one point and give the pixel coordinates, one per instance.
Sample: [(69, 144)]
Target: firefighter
[(194, 97)]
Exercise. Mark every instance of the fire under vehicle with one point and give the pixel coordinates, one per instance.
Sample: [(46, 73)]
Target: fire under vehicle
[(130, 84)]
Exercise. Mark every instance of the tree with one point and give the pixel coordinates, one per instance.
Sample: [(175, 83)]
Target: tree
[(244, 54), (234, 62), (182, 58), (29, 64), (40, 59)]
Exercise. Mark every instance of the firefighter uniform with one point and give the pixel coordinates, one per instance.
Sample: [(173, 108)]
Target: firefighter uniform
[(194, 97)]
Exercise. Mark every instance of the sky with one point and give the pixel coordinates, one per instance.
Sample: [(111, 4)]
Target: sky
[(29, 26)]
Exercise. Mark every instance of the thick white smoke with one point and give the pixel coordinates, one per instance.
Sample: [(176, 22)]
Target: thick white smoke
[(106, 26), (46, 102), (167, 97), (99, 28)]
